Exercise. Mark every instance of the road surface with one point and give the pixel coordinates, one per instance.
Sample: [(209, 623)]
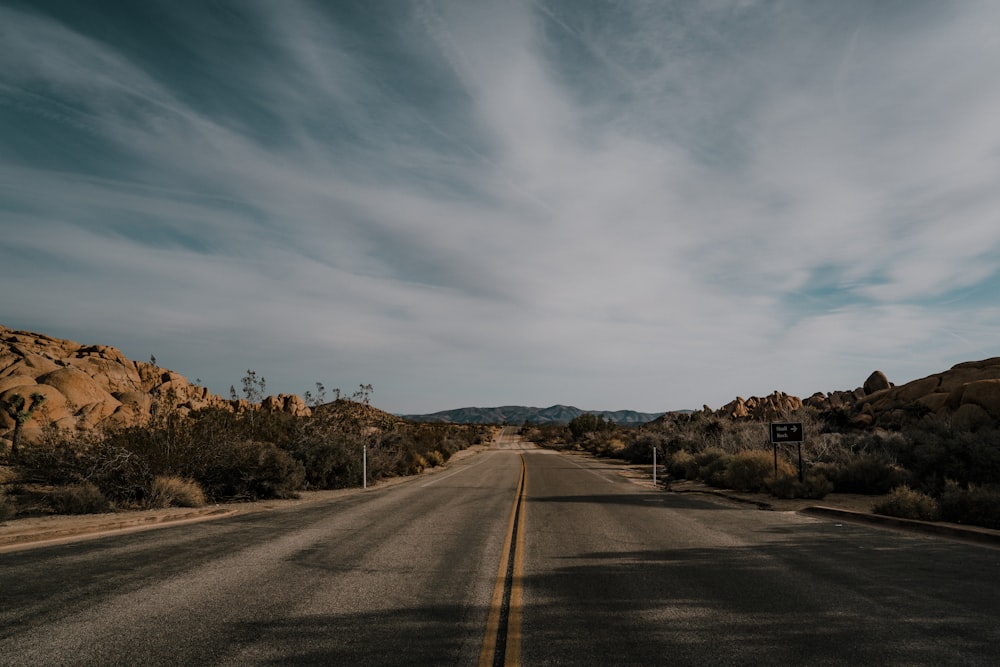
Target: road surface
[(515, 554)]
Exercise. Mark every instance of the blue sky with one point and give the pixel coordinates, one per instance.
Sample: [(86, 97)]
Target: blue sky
[(612, 204)]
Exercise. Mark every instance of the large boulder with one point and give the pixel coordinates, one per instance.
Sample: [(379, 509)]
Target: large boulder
[(877, 381), (80, 389)]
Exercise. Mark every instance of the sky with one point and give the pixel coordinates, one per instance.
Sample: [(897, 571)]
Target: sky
[(633, 204)]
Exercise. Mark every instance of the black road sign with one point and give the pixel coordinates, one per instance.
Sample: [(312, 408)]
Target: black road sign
[(786, 432)]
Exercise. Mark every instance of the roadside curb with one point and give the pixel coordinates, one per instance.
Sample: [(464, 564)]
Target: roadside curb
[(972, 533), (955, 531)]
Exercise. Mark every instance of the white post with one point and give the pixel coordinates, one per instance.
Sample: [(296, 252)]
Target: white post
[(364, 466), (654, 467)]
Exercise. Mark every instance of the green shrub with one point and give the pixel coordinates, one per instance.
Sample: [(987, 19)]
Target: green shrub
[(906, 503), (83, 498), (170, 491), (750, 470), (976, 505)]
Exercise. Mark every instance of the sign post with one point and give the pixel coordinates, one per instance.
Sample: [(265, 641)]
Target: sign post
[(654, 467), (786, 432)]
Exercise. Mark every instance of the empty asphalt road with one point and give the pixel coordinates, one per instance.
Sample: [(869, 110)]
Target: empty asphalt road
[(515, 553)]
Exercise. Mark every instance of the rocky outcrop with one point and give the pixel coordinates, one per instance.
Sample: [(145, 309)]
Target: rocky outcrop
[(775, 406), (966, 396), (290, 403), (92, 386)]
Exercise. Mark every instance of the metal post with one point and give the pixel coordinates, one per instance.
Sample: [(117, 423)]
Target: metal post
[(800, 462), (775, 459), (654, 467), (364, 466)]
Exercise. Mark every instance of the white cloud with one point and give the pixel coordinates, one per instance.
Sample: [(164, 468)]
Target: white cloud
[(656, 208)]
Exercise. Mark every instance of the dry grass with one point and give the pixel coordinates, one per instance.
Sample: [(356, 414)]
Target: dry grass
[(169, 491), (83, 498), (906, 503)]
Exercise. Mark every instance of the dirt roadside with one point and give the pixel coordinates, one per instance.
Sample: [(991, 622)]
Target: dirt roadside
[(30, 532)]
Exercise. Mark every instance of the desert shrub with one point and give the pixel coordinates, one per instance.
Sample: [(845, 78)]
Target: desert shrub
[(329, 463), (251, 471), (976, 505), (750, 470), (604, 444), (640, 448), (555, 436), (868, 474), (83, 498), (435, 458), (587, 423), (814, 485), (7, 508), (276, 475), (122, 475), (682, 465), (938, 452), (712, 464), (169, 491), (907, 503)]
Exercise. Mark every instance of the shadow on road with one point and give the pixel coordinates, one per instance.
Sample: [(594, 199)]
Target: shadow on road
[(657, 499), (422, 635), (861, 597)]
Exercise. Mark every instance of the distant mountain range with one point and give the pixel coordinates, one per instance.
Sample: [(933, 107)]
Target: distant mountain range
[(519, 414)]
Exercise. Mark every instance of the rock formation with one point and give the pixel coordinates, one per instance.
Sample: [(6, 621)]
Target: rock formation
[(773, 407), (96, 385), (967, 396)]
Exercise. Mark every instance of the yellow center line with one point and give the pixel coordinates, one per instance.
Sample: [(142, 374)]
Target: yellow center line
[(512, 639)]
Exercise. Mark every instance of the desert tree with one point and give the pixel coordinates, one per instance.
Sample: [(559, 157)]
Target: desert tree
[(314, 401), (20, 411), (253, 387), (363, 394)]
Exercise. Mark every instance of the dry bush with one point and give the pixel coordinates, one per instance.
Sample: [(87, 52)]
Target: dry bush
[(906, 503), (170, 491), (7, 508), (83, 498), (682, 465), (712, 464), (976, 505), (866, 474), (751, 470), (814, 485)]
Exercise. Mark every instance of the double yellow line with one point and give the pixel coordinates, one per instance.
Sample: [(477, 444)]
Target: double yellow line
[(502, 643)]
